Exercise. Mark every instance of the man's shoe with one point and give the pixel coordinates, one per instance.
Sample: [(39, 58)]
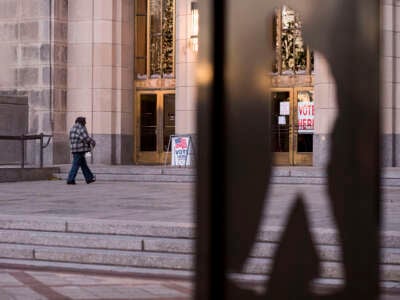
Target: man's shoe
[(71, 182), (91, 180)]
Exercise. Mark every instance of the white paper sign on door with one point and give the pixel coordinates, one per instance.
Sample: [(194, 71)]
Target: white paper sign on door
[(284, 108)]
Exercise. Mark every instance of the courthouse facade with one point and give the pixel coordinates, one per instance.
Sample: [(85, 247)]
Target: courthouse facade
[(129, 67)]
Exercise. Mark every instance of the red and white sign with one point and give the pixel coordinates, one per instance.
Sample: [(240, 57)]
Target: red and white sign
[(305, 117), (181, 151)]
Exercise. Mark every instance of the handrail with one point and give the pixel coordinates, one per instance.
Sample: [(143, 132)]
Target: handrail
[(25, 137)]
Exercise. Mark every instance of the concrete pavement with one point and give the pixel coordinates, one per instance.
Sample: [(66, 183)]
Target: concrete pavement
[(141, 202), (165, 202)]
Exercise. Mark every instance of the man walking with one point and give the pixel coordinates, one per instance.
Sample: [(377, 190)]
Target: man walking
[(80, 143)]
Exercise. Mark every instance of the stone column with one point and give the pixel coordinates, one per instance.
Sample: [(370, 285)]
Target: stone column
[(396, 74), (325, 110), (387, 87), (100, 74), (186, 87), (390, 90)]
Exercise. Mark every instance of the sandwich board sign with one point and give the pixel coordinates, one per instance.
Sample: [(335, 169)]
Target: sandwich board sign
[(181, 150)]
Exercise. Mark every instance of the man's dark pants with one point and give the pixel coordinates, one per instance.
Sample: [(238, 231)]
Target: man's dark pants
[(79, 160)]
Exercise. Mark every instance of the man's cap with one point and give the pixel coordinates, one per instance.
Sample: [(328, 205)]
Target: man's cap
[(81, 120)]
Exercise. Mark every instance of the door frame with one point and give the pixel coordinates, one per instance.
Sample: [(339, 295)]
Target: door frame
[(285, 158), (158, 156), (292, 158)]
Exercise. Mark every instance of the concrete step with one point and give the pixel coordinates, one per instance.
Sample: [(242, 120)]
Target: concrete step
[(154, 245), (164, 230), (156, 260), (280, 175), (14, 174), (133, 177), (159, 245)]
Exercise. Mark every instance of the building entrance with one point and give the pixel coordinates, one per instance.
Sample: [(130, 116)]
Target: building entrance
[(292, 125), (155, 123)]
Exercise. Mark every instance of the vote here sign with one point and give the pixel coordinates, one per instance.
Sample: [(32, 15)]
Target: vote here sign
[(305, 117)]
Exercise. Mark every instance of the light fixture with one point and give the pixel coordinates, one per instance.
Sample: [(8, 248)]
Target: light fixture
[(194, 37)]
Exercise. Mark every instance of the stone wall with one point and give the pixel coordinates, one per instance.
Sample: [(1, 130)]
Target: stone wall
[(33, 50)]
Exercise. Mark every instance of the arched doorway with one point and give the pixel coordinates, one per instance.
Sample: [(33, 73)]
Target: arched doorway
[(154, 79), (292, 98)]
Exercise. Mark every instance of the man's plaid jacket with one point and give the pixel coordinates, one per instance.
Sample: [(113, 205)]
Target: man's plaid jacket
[(79, 139)]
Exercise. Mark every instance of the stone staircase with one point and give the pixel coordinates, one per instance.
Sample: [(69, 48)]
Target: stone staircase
[(280, 175), (156, 249)]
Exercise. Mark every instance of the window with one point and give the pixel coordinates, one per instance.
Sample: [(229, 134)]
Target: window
[(154, 56), (292, 56)]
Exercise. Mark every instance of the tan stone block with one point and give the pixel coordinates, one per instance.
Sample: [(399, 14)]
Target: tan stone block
[(387, 17), (103, 32), (80, 32), (127, 101), (192, 98), (180, 98), (127, 34), (103, 99), (397, 70), (324, 120), (103, 77), (387, 69), (181, 74), (127, 10), (103, 54), (127, 79), (386, 100), (397, 21), (181, 7), (79, 100), (387, 45), (80, 54), (181, 50), (126, 57), (102, 123), (106, 122), (397, 41), (191, 74), (79, 77), (323, 72), (103, 9), (182, 27), (323, 95), (185, 122), (8, 77), (127, 124), (386, 120), (397, 94), (79, 9), (397, 121)]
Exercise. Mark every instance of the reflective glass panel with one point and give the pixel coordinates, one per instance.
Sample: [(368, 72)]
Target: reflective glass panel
[(280, 121), (169, 119), (148, 122)]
